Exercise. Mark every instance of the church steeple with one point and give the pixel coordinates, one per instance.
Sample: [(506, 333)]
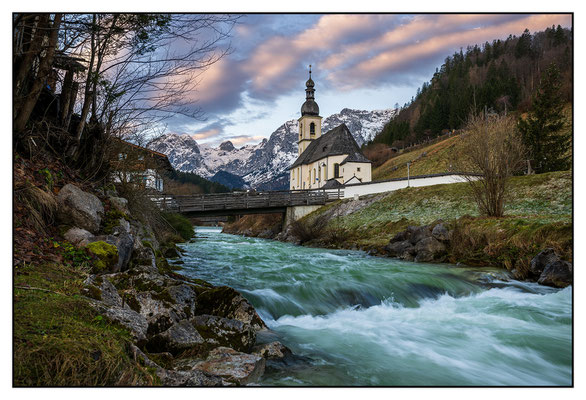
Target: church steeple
[(310, 121), (310, 107)]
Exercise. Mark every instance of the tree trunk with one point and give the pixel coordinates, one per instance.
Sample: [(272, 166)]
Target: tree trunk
[(44, 69), (29, 52)]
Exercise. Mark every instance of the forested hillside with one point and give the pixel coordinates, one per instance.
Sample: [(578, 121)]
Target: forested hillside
[(495, 77)]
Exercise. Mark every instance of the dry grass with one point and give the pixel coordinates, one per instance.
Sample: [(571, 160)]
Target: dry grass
[(41, 206), (255, 224)]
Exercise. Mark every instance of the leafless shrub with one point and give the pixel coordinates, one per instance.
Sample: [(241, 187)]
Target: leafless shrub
[(492, 152), (307, 229)]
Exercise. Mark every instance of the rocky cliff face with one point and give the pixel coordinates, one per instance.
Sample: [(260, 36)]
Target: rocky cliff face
[(264, 165)]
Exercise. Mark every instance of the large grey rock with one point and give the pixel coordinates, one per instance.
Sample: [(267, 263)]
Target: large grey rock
[(79, 208), (226, 302), (429, 249), (557, 274), (100, 288), (418, 233), (398, 249), (125, 243), (79, 237), (183, 296), (441, 233), (542, 260), (179, 337), (130, 319), (232, 366), (219, 331)]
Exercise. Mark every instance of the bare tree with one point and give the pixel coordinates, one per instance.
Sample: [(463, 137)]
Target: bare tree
[(138, 70), (492, 151)]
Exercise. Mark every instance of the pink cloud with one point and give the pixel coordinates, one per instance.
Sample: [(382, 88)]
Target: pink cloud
[(399, 57)]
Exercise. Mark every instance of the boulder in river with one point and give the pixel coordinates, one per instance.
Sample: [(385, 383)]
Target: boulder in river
[(541, 260), (219, 331), (226, 302), (556, 274), (429, 249), (398, 249)]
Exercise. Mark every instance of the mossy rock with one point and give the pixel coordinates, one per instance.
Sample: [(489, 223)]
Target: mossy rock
[(106, 255), (112, 220)]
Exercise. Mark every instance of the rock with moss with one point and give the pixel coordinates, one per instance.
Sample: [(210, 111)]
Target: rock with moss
[(79, 208), (226, 302), (105, 256), (120, 204), (100, 288), (178, 337), (219, 331)]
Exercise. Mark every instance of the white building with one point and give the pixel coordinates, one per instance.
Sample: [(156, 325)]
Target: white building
[(328, 160)]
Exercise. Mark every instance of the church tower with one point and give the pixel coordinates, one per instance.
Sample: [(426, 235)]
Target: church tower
[(310, 121)]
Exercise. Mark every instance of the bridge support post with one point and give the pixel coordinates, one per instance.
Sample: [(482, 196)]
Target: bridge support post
[(297, 212)]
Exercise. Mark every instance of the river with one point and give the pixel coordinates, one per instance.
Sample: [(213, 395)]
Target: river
[(363, 320)]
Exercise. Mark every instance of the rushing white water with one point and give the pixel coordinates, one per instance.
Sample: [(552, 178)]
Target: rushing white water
[(363, 320)]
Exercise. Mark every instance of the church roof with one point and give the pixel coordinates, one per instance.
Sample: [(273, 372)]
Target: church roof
[(332, 184), (337, 141)]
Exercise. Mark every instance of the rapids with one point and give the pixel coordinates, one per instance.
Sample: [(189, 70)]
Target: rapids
[(362, 320)]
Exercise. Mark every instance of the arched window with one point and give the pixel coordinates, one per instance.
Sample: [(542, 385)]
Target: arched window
[(336, 170), (312, 128), (314, 176)]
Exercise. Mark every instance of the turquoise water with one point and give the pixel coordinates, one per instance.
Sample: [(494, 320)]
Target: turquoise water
[(362, 320)]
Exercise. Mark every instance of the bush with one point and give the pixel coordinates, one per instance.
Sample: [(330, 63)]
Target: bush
[(181, 224), (307, 229)]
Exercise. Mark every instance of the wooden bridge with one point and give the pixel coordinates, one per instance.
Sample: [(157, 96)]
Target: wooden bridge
[(240, 203)]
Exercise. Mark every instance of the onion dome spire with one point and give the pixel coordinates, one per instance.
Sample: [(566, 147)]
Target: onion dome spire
[(310, 107)]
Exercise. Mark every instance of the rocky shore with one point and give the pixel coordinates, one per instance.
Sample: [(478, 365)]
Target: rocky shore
[(187, 331)]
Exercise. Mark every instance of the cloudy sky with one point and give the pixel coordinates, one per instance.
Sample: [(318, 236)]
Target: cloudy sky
[(361, 61)]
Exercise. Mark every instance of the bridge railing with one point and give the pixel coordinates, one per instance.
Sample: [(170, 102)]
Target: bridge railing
[(246, 200)]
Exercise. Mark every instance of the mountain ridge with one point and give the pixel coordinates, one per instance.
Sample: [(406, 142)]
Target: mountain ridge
[(263, 165)]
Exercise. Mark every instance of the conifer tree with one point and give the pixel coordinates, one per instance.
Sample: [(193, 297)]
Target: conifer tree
[(544, 130)]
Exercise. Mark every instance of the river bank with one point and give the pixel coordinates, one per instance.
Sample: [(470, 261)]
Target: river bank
[(537, 217)]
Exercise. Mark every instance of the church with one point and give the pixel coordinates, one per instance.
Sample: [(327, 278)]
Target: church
[(329, 160)]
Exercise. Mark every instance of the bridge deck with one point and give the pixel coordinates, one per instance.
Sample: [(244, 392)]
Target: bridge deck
[(245, 202)]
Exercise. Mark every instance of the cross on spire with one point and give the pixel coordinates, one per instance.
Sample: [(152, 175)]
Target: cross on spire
[(310, 71)]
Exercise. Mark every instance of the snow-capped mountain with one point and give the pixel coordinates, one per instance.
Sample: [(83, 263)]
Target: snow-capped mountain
[(264, 165), (364, 125)]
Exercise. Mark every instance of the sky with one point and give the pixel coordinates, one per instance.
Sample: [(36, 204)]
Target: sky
[(360, 61)]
